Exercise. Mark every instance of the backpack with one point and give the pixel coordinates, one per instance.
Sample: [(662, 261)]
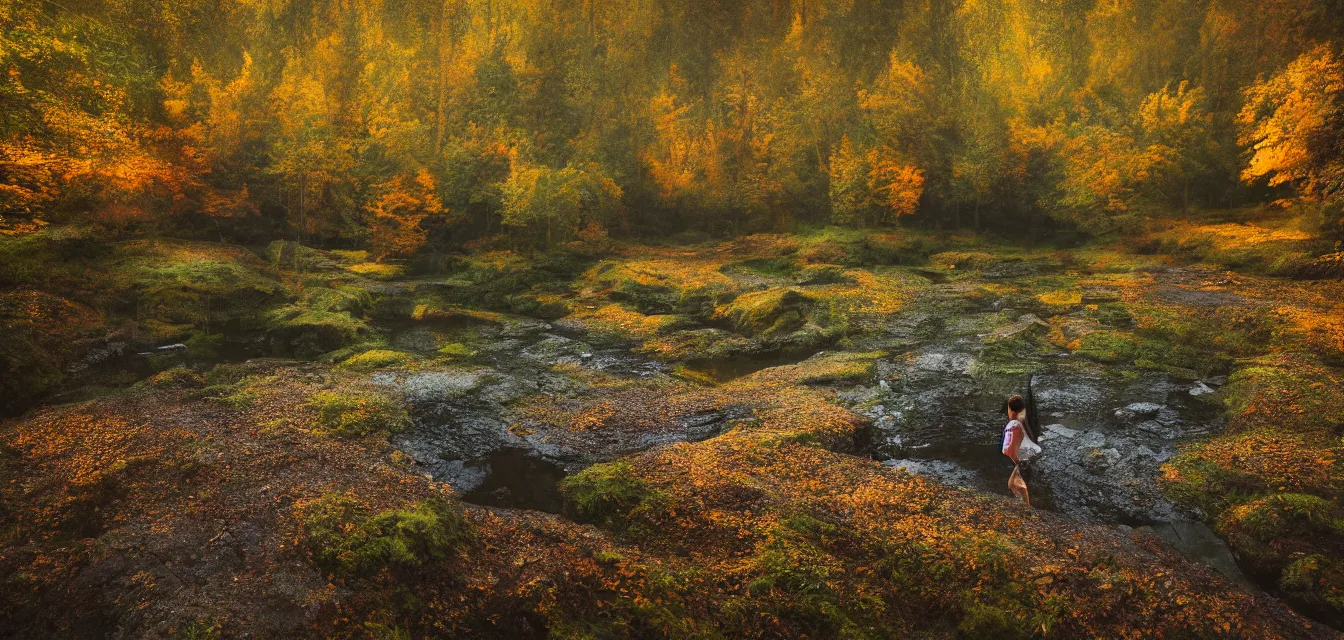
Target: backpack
[(1033, 423)]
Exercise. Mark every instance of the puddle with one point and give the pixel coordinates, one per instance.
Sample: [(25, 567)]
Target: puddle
[(121, 364), (943, 407), (518, 480)]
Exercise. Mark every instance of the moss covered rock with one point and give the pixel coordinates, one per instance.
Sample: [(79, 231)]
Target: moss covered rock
[(177, 378), (375, 359), (1315, 583), (1287, 391), (308, 332), (195, 285), (606, 494), (768, 313), (696, 344), (1273, 486)]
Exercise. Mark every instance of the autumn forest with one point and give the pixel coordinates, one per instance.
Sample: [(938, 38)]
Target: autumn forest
[(671, 318)]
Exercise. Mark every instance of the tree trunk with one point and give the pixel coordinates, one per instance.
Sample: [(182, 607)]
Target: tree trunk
[(446, 16), (303, 197)]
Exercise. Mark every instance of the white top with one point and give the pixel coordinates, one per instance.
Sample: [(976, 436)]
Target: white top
[(1026, 448), (1008, 432)]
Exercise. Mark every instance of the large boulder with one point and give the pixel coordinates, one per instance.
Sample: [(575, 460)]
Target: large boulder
[(764, 314)]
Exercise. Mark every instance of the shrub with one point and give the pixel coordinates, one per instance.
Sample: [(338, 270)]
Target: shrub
[(354, 415), (980, 620), (343, 539)]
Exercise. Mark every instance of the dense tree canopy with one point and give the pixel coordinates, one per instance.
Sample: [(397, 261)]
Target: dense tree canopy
[(393, 125)]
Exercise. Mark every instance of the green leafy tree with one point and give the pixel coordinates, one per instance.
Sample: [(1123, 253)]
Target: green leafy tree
[(554, 203), (851, 199)]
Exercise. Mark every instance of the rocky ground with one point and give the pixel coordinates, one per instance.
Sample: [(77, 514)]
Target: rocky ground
[(767, 437)]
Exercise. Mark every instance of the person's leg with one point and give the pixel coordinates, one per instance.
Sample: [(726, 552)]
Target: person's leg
[(1019, 486)]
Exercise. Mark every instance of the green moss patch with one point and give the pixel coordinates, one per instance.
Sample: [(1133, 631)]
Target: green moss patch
[(240, 393), (177, 378), (962, 259), (377, 271), (829, 368), (1273, 486), (1108, 346), (193, 284), (358, 414), (1292, 391), (696, 344), (1315, 583), (375, 359), (344, 539), (456, 350)]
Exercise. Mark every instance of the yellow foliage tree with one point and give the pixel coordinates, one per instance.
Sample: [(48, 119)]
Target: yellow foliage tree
[(896, 185), (1293, 123), (396, 214), (851, 199)]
